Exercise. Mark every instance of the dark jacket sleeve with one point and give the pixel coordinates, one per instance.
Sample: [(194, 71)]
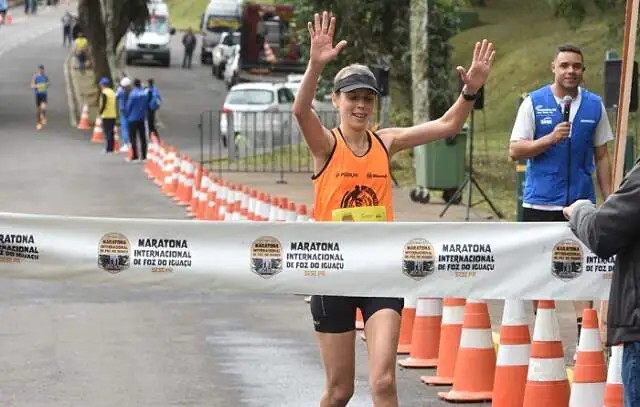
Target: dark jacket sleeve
[(615, 224), (103, 102)]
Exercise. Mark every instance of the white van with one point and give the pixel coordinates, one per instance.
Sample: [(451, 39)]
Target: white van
[(220, 16), (155, 43)]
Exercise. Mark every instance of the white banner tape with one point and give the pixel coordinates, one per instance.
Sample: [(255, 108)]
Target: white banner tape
[(471, 260)]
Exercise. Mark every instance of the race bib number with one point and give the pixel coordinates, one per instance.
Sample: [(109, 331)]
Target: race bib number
[(360, 214)]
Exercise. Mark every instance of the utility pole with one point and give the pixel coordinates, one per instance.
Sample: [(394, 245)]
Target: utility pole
[(419, 79)]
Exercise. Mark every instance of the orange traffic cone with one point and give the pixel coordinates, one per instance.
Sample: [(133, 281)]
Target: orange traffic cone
[(425, 337), (590, 372), (450, 332), (547, 382), (476, 363), (613, 394), (98, 133), (513, 356), (84, 119), (406, 325), (359, 319), (116, 140)]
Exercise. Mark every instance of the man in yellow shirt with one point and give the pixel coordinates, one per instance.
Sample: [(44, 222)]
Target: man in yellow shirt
[(81, 49), (108, 112)]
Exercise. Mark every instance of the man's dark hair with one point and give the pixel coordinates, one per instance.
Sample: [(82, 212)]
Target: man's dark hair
[(137, 83), (569, 48), (150, 81)]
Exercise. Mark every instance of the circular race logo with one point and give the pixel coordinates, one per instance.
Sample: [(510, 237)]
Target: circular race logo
[(114, 253), (266, 256), (418, 259), (361, 195), (566, 263)]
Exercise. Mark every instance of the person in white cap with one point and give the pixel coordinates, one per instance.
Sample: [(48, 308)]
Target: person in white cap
[(121, 95)]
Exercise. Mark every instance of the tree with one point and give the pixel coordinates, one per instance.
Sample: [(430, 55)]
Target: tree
[(576, 11), (122, 14)]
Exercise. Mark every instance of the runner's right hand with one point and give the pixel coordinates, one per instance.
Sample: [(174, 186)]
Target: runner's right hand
[(321, 34)]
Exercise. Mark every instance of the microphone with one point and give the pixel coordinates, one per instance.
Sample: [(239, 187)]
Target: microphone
[(566, 101)]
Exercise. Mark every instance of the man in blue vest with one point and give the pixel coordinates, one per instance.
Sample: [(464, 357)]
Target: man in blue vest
[(561, 155)]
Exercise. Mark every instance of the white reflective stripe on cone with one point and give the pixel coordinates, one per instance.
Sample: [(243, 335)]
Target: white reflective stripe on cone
[(515, 313), (590, 340), (453, 315), (410, 302), (472, 338), (548, 331), (586, 394), (513, 355), (614, 374), (429, 307), (546, 370)]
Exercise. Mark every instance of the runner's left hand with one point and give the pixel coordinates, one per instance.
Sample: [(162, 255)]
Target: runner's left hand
[(475, 78)]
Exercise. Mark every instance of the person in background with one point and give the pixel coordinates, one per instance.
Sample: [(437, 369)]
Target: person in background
[(613, 229), (136, 111), (40, 86), (154, 104), (67, 23), (108, 112), (189, 41), (122, 95), (562, 153), (81, 49), (4, 7)]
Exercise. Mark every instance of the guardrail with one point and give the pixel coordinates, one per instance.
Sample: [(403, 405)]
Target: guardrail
[(262, 141)]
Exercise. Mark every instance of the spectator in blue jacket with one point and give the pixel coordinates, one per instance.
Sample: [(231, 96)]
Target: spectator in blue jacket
[(122, 94), (155, 100), (137, 105)]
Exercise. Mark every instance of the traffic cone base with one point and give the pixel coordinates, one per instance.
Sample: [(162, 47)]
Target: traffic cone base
[(407, 318), (450, 333), (425, 337), (548, 393), (476, 361)]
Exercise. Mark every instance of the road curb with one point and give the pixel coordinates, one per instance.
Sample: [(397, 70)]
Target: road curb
[(71, 92)]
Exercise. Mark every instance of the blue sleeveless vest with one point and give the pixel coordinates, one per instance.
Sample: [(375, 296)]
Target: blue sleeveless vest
[(562, 174)]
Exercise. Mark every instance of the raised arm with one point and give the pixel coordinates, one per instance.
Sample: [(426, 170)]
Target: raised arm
[(453, 120), (322, 51)]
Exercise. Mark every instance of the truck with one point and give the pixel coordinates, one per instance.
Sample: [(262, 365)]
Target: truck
[(154, 44), (269, 43), (220, 16)]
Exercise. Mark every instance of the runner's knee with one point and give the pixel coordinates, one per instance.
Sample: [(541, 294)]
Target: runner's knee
[(383, 385), (339, 394)]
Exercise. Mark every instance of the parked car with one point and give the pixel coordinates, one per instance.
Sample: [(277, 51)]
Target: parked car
[(229, 45), (326, 111), (231, 69), (262, 115)]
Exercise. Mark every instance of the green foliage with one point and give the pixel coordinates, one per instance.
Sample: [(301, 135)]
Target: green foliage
[(611, 11), (443, 25), (378, 33)]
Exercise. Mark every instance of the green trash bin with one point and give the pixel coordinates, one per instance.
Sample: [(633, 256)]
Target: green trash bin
[(440, 166)]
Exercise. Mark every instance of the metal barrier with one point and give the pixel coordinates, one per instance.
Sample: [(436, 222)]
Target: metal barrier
[(263, 141)]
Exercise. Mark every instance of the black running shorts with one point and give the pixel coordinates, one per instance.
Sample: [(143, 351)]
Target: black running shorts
[(41, 98), (333, 314)]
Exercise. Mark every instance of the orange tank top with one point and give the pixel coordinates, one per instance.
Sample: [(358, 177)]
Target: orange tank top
[(348, 180)]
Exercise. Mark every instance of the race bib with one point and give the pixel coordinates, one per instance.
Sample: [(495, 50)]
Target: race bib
[(360, 214)]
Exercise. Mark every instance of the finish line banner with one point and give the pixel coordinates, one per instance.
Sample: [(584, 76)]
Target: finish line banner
[(470, 260)]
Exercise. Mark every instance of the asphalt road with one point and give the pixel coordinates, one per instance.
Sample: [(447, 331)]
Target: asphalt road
[(70, 345)]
